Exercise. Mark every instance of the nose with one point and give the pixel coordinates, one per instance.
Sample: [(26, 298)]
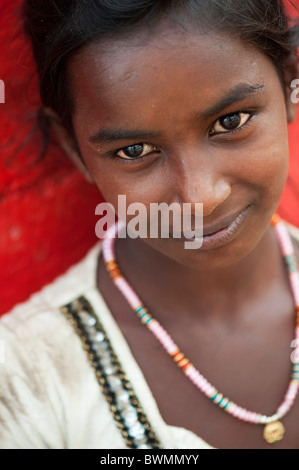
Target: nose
[(207, 186)]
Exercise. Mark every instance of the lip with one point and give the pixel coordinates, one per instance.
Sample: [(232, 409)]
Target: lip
[(224, 223), (221, 232)]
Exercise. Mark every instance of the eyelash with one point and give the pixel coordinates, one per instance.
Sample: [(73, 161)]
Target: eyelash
[(250, 115), (155, 149), (132, 160)]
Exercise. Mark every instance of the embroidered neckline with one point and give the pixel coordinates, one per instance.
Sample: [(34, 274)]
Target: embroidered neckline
[(123, 403)]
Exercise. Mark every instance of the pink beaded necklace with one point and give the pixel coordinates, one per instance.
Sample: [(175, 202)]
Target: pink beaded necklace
[(273, 428)]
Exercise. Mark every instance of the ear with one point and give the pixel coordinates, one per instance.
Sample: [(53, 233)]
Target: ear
[(67, 143), (290, 83)]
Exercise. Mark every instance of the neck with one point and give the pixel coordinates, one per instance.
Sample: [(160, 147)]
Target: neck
[(165, 284)]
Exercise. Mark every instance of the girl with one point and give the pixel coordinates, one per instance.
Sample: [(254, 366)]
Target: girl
[(165, 102)]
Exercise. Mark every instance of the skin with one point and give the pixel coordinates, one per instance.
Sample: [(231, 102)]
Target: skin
[(228, 308)]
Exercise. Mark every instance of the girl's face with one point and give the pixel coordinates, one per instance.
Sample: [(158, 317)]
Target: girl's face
[(185, 118)]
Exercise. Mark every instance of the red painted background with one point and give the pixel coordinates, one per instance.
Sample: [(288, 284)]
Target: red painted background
[(46, 207)]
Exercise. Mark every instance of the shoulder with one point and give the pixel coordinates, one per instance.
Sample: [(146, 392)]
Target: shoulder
[(37, 325), (41, 361), (30, 355)]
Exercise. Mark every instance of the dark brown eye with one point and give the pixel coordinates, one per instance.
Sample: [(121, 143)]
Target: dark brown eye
[(135, 151), (231, 121)]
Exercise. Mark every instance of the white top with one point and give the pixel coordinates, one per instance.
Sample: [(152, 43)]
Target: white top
[(49, 395)]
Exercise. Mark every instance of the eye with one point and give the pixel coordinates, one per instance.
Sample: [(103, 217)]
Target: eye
[(230, 122), (135, 151)]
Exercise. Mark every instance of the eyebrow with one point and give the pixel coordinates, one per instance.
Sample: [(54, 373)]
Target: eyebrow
[(111, 135), (238, 93)]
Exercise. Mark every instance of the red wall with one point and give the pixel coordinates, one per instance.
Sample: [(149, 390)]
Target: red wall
[(46, 207)]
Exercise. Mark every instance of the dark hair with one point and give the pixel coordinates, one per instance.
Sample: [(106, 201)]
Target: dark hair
[(60, 28)]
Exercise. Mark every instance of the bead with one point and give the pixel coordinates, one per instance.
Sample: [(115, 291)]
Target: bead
[(273, 432), (100, 347), (140, 309), (275, 219), (263, 419), (218, 398), (127, 291), (178, 357), (122, 398), (252, 417), (213, 393), (142, 443), (137, 430), (273, 425), (146, 318), (175, 352), (225, 404), (115, 383), (87, 319), (242, 413), (232, 408), (283, 409), (268, 420), (130, 416), (275, 417), (96, 336), (291, 263)]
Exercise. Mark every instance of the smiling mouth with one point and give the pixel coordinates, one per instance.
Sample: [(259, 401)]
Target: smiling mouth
[(225, 223), (220, 233)]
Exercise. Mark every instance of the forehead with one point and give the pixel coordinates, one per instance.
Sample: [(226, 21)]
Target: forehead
[(138, 76)]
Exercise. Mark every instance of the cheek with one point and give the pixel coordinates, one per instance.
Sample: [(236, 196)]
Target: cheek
[(262, 163), (268, 169), (115, 178)]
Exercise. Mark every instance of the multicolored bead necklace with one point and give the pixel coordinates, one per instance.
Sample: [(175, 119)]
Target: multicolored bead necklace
[(273, 429)]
